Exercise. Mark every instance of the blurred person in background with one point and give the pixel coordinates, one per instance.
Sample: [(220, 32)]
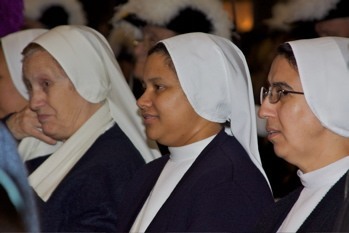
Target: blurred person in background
[(49, 14), (144, 22), (18, 212), (313, 18), (11, 16)]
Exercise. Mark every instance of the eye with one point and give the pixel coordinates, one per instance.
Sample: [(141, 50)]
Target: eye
[(45, 84), (282, 92), (159, 87)]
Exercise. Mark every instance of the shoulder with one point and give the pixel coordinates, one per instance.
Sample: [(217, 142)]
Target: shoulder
[(115, 146)]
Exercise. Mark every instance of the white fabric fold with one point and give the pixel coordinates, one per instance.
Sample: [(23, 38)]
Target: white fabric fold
[(50, 173), (326, 88), (12, 45), (30, 148)]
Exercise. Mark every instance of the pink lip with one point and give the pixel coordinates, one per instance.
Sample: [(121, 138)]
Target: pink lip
[(272, 133), (148, 118), (43, 118)]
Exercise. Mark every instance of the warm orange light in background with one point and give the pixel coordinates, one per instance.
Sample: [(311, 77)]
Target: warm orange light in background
[(244, 19)]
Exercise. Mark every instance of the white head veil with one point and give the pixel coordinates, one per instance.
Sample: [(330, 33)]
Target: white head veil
[(323, 66), (215, 78), (12, 45)]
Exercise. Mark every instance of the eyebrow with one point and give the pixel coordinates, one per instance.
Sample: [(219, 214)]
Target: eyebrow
[(282, 84), (150, 80), (154, 79)]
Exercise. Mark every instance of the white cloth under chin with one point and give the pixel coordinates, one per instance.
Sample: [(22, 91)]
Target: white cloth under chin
[(316, 185)]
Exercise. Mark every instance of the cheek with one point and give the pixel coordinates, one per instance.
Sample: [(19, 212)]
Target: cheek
[(170, 109), (174, 121), (300, 125), (290, 116), (64, 106), (311, 126)]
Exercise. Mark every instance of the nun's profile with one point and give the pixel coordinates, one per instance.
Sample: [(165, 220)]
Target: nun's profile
[(212, 180)]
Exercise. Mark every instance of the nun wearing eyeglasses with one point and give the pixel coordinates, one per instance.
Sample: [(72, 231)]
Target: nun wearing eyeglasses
[(306, 109), (198, 101), (81, 98)]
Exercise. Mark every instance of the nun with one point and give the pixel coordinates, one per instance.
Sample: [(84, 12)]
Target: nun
[(198, 101), (82, 100), (306, 110)]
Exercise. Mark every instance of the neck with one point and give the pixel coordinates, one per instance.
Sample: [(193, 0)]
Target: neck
[(330, 152)]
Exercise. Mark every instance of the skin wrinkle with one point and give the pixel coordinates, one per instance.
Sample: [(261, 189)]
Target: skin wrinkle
[(50, 94)]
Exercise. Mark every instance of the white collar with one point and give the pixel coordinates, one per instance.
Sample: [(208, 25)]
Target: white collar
[(189, 151), (325, 175)]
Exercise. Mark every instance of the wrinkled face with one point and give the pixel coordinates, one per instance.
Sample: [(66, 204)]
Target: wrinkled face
[(10, 99), (60, 108), (333, 27), (151, 35), (168, 116), (292, 127)]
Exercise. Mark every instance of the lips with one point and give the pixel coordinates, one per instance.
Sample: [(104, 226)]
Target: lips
[(149, 118), (272, 133), (43, 118)]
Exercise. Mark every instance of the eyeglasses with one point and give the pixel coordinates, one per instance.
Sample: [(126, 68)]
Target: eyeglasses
[(275, 93)]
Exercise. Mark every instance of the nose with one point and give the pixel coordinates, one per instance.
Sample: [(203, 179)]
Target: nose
[(36, 100), (266, 109), (144, 101)]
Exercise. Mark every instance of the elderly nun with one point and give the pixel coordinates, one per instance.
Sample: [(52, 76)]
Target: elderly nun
[(198, 101), (82, 100), (306, 108)]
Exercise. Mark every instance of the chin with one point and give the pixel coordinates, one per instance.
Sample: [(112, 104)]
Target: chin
[(282, 154), (151, 134), (51, 132)]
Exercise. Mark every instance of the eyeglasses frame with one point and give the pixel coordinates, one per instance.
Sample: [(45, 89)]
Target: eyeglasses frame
[(268, 92)]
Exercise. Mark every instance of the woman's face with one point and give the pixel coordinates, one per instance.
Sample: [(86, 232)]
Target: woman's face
[(292, 127), (10, 99), (60, 108), (168, 116)]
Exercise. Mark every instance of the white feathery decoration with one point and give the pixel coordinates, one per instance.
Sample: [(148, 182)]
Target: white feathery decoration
[(33, 9), (123, 35), (160, 12), (285, 13)]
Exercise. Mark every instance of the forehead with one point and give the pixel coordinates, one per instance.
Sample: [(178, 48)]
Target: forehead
[(41, 63), (283, 71), (40, 56), (158, 65)]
